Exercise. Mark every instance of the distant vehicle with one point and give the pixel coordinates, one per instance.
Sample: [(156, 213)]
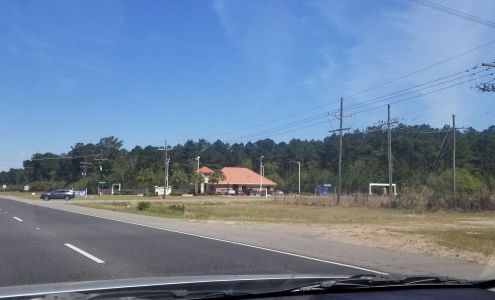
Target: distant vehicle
[(226, 191), (58, 194), (250, 192), (239, 192), (279, 192)]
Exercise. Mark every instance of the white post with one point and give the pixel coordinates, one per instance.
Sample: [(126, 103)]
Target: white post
[(167, 162), (197, 171)]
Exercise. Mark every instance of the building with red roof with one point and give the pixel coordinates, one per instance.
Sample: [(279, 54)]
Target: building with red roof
[(242, 180), (245, 180), (205, 170)]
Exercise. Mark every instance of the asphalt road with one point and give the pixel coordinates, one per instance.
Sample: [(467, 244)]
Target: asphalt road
[(43, 245)]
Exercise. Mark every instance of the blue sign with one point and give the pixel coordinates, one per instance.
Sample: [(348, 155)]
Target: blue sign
[(323, 189)]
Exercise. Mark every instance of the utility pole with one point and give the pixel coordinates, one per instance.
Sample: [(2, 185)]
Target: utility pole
[(453, 159), (340, 130), (299, 175), (101, 182), (165, 168), (84, 166), (487, 87), (389, 154), (339, 190)]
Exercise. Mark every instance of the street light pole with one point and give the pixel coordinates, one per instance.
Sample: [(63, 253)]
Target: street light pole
[(261, 173), (167, 164), (197, 171), (165, 171)]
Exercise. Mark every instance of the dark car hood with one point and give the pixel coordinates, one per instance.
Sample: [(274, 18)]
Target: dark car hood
[(228, 282)]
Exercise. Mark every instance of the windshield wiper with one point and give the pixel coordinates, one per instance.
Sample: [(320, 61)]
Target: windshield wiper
[(127, 294), (148, 294), (367, 281)]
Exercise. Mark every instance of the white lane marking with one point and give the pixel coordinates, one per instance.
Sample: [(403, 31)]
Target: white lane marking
[(37, 228), (96, 259), (235, 243), (20, 220)]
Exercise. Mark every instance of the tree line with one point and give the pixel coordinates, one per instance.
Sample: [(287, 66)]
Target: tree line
[(416, 156)]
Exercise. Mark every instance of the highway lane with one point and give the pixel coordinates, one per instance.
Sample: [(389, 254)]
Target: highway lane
[(43, 245)]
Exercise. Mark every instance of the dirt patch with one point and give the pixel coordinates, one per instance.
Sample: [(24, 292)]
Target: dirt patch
[(401, 238), (479, 222)]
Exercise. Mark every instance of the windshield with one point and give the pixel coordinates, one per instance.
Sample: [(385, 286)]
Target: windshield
[(144, 139)]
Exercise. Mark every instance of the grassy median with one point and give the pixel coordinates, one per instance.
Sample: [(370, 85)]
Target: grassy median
[(458, 231), (290, 213)]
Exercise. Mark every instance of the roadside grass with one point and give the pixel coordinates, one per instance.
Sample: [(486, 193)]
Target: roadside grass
[(445, 227), (118, 197), (290, 213), (26, 195), (481, 240)]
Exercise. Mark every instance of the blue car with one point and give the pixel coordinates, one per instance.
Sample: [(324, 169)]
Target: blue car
[(58, 194)]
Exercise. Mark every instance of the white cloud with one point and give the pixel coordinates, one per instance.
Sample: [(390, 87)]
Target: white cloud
[(262, 31), (390, 41)]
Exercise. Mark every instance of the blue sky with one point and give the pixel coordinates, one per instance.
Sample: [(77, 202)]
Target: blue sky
[(75, 71)]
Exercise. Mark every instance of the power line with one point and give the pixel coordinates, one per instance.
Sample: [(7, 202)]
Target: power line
[(425, 86), (359, 93), (437, 162), (427, 132), (273, 121), (290, 124), (454, 12), (422, 69), (282, 130), (63, 157), (420, 95), (293, 130)]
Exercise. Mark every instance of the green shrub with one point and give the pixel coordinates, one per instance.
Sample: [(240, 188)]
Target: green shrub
[(143, 205), (177, 208), (467, 183)]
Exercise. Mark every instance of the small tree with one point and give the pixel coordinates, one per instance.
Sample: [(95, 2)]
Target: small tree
[(145, 178), (179, 179), (217, 176)]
